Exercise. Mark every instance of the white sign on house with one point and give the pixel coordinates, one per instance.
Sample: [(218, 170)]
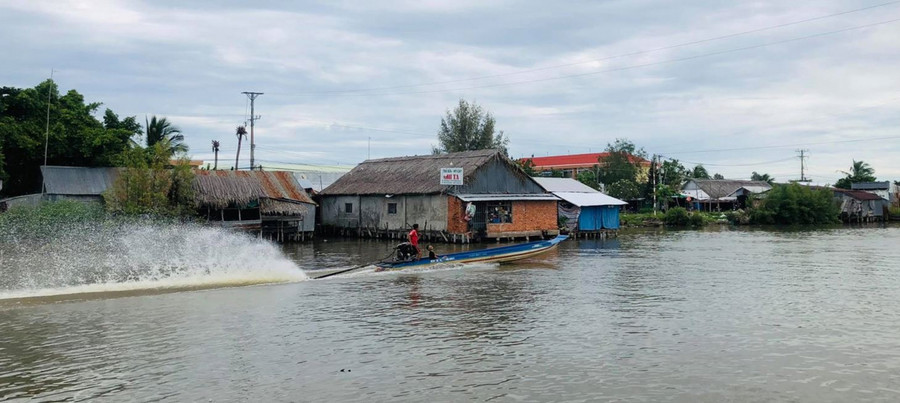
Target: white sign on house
[(451, 176)]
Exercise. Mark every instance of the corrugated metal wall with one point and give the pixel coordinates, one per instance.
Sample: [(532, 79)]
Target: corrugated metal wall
[(498, 177)]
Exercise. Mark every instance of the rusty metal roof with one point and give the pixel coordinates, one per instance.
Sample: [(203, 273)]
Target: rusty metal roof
[(276, 185), (858, 194)]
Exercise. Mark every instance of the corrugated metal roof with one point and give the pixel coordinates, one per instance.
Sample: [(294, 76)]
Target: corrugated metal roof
[(722, 188), (78, 181), (318, 180), (416, 174), (563, 185), (506, 196), (886, 185), (858, 194), (582, 199)]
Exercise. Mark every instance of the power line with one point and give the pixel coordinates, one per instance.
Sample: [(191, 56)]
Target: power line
[(737, 165), (625, 68), (783, 145), (636, 53)]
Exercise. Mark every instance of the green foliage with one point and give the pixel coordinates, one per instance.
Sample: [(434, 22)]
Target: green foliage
[(620, 163), (161, 131), (76, 137), (718, 176), (697, 219), (793, 204), (677, 216), (469, 127), (860, 171), (527, 165), (624, 189), (738, 217), (674, 175), (146, 186), (762, 177), (894, 210), (588, 178), (699, 172)]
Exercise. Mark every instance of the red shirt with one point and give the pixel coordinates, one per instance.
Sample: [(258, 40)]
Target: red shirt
[(414, 238)]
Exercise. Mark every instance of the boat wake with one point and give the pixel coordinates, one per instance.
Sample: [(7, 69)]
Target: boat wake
[(103, 260), (442, 267)]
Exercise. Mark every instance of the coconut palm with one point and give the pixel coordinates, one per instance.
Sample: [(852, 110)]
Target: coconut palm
[(215, 148), (241, 133), (161, 131), (762, 177), (860, 171)]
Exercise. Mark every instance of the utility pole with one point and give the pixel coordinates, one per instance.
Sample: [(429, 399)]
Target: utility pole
[(803, 156), (253, 118), (653, 175), (47, 132)]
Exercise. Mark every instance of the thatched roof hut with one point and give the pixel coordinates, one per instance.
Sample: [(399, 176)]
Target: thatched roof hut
[(416, 174), (278, 192)]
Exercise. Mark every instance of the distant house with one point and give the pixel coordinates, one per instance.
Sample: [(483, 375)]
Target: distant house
[(860, 205), (573, 164), (585, 209), (271, 202), (886, 190), (387, 196), (722, 194)]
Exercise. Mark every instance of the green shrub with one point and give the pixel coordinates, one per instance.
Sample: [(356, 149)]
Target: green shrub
[(794, 204), (677, 216), (697, 219), (738, 217)]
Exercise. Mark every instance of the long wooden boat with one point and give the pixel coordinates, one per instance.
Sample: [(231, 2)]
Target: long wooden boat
[(500, 254)]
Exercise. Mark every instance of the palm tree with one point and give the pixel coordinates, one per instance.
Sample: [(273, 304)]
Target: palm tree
[(161, 131), (860, 171), (241, 133), (762, 177), (215, 147)]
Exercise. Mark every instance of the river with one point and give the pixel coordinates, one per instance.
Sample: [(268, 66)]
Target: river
[(683, 316)]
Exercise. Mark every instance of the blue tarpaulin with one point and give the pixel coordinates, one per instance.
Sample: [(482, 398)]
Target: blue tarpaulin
[(593, 218)]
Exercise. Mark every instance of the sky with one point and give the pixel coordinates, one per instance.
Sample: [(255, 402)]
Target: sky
[(737, 86)]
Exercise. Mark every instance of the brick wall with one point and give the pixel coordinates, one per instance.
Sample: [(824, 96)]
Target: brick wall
[(455, 211), (529, 215)]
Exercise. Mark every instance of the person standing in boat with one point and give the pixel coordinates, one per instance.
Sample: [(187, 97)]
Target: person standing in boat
[(414, 240)]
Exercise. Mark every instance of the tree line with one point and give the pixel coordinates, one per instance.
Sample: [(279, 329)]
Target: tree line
[(34, 118)]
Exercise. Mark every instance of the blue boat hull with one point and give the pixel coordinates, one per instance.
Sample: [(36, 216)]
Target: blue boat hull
[(500, 254)]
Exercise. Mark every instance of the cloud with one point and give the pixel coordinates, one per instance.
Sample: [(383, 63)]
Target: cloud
[(558, 77)]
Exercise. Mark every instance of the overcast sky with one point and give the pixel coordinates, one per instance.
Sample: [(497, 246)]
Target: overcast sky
[(737, 86)]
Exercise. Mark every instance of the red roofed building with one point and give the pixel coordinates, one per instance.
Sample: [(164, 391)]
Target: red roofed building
[(572, 164)]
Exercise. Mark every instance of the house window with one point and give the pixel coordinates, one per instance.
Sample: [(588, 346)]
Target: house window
[(392, 208), (348, 207), (499, 213)]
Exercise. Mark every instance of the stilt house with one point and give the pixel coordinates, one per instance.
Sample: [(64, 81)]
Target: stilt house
[(269, 202), (585, 209), (385, 197)]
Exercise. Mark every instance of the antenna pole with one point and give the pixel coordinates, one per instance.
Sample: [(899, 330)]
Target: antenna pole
[(253, 118)]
